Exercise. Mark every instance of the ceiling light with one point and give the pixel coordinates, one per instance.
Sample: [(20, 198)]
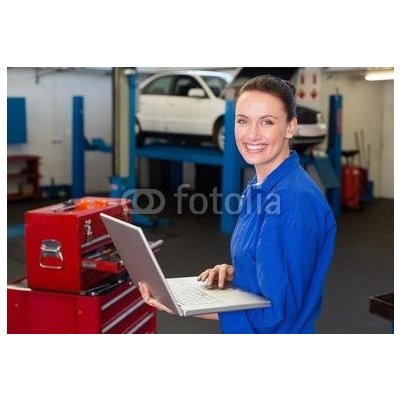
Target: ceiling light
[(379, 76)]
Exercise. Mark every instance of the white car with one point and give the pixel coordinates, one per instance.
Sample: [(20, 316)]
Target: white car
[(189, 105), (183, 105)]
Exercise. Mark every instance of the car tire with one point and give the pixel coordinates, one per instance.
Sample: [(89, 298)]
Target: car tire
[(219, 135), (140, 137)]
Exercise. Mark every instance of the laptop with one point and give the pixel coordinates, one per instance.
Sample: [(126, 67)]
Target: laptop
[(185, 296)]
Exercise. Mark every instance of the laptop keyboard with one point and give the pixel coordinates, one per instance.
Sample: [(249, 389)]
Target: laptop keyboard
[(190, 296)]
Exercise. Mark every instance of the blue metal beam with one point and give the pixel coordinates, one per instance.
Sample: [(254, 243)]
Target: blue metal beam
[(231, 172), (132, 179), (78, 148), (335, 148)]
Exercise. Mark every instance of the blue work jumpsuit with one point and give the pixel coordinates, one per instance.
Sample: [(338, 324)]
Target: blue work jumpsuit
[(281, 249)]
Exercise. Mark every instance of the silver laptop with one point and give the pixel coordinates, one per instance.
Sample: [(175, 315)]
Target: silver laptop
[(185, 296)]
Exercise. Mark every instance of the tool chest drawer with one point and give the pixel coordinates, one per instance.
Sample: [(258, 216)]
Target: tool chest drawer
[(67, 246), (118, 308)]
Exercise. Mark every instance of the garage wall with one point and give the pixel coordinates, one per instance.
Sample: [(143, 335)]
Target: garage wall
[(367, 106), (49, 122), (387, 164)]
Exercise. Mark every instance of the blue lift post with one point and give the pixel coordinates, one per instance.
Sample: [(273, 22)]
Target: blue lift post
[(231, 172), (335, 148), (79, 145), (78, 148), (130, 182)]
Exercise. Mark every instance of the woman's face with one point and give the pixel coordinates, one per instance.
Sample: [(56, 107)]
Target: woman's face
[(261, 130)]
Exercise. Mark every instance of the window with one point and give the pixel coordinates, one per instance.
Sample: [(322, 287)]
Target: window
[(159, 86), (215, 83), (183, 84)]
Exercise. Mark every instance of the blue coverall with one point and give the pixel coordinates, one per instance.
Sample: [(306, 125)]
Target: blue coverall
[(281, 249)]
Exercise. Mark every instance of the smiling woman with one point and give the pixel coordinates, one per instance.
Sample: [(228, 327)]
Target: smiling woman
[(282, 249)]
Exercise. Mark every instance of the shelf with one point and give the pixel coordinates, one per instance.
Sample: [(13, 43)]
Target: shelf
[(23, 180), (23, 157), (23, 175), (18, 196)]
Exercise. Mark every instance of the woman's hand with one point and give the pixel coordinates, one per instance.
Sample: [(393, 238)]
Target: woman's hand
[(151, 301), (221, 273)]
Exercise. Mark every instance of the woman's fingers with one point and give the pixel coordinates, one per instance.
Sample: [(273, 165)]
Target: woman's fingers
[(221, 277), (145, 292), (151, 301), (230, 273), (203, 276), (220, 273), (154, 303), (217, 274)]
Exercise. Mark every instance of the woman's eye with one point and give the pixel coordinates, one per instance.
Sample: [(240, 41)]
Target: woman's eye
[(267, 122), (241, 121)]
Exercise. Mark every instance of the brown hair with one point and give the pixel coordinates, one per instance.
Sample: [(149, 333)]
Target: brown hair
[(280, 88)]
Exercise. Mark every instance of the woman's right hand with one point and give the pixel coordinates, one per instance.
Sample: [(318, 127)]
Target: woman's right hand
[(150, 300), (221, 273)]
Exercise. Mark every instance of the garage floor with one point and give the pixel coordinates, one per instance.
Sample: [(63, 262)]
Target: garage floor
[(362, 266)]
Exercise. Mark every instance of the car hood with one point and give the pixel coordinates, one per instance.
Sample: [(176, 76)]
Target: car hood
[(246, 73)]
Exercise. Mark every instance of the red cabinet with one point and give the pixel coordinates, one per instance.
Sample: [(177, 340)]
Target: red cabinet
[(119, 310)]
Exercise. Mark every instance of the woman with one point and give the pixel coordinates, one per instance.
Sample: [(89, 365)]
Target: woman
[(284, 237)]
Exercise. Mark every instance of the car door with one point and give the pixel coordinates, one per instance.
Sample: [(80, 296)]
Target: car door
[(152, 104), (185, 114)]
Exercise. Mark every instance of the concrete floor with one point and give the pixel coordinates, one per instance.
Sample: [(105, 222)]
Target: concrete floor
[(362, 266)]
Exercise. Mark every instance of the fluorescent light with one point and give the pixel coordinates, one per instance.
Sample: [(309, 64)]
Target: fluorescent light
[(379, 76)]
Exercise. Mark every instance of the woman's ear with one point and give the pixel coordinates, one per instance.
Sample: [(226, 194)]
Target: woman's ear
[(291, 128)]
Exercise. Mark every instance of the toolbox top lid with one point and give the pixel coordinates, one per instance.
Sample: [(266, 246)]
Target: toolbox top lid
[(74, 210)]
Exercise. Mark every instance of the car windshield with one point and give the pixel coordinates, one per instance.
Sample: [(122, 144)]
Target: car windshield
[(215, 83)]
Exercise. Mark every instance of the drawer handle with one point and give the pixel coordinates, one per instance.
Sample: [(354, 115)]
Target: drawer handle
[(141, 323), (116, 321), (119, 297), (94, 241), (50, 255)]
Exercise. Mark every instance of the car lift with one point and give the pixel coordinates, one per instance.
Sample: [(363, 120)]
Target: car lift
[(327, 168), (230, 160)]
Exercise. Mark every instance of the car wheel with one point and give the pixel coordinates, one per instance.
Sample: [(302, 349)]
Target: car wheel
[(219, 135), (140, 137)]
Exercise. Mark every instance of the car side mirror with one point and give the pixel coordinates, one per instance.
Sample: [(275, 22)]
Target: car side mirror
[(197, 92)]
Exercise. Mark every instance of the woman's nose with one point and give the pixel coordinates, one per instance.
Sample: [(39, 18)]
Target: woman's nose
[(254, 133)]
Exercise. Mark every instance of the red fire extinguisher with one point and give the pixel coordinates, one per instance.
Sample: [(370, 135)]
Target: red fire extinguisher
[(353, 182)]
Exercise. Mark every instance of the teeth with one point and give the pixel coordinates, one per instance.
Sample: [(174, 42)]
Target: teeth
[(254, 147)]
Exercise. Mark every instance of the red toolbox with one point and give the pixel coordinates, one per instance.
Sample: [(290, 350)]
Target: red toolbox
[(67, 246), (115, 307)]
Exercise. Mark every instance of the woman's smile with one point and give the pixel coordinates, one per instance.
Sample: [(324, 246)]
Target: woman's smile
[(253, 148)]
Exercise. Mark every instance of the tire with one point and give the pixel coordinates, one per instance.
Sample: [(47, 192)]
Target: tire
[(219, 135), (140, 137)]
